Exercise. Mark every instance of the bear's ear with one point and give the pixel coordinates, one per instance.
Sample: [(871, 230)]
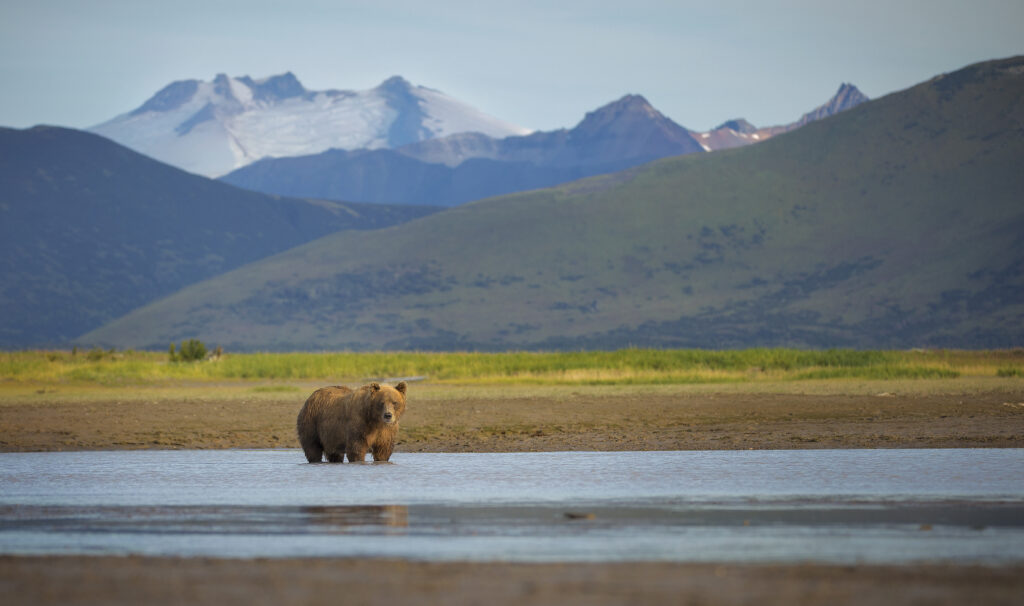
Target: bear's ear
[(401, 388), (374, 386)]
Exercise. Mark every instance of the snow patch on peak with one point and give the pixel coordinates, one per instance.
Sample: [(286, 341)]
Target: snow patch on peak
[(445, 116), (214, 127), (240, 91)]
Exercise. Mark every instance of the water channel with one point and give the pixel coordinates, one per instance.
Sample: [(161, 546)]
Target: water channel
[(841, 506)]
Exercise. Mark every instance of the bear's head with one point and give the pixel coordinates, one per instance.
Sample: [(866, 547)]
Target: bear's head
[(386, 403)]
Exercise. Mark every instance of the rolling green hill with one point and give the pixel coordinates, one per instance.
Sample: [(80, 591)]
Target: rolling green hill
[(898, 223), (90, 230)]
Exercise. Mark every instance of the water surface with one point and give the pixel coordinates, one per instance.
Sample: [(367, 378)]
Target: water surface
[(964, 505)]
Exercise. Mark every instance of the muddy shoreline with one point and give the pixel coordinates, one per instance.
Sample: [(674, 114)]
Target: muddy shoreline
[(508, 420), (68, 580)]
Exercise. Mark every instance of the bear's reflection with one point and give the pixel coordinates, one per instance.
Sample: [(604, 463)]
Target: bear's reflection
[(343, 517)]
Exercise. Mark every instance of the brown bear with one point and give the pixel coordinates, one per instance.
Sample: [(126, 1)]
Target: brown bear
[(337, 421)]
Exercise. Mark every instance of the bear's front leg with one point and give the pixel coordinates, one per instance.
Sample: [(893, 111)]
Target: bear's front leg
[(356, 451), (314, 452), (382, 450)]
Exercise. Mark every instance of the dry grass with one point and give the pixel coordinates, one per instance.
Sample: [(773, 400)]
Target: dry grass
[(625, 367)]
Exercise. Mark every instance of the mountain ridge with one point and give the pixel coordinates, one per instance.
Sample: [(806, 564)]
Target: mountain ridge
[(739, 132), (618, 135), (469, 166), (895, 224)]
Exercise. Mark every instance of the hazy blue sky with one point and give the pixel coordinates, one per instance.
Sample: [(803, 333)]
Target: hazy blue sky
[(538, 64)]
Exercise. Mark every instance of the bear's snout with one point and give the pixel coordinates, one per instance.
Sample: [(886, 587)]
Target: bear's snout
[(387, 413)]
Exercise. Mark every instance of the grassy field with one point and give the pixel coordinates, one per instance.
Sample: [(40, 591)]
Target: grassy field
[(632, 366), (462, 402)]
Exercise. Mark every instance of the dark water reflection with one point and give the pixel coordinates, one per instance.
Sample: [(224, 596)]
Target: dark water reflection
[(836, 506), (197, 519)]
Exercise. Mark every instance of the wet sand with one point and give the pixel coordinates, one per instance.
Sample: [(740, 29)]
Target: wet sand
[(41, 581)]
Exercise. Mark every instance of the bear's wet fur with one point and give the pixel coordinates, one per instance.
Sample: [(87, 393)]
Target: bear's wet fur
[(338, 422)]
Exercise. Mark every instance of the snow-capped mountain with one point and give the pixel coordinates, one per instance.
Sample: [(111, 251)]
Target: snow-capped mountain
[(212, 128), (739, 132), (446, 171)]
